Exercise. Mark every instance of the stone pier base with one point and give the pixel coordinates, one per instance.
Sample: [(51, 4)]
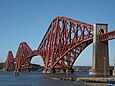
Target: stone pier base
[(62, 71), (69, 71), (48, 71), (113, 72), (100, 60), (99, 72), (44, 71), (59, 71)]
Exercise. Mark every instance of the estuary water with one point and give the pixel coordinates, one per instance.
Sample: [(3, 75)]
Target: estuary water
[(37, 79)]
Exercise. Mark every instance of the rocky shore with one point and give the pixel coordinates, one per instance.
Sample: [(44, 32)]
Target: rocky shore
[(90, 81)]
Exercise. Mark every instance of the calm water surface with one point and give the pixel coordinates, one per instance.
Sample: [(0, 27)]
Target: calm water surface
[(36, 79)]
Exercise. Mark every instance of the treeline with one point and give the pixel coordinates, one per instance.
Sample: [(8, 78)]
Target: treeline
[(2, 65), (33, 67), (36, 67)]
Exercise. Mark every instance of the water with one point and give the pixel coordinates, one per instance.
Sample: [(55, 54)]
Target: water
[(36, 79)]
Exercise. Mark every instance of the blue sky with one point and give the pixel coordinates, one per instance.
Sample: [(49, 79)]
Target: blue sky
[(28, 20)]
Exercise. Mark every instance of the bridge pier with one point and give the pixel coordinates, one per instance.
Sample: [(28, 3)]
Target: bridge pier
[(62, 71), (69, 71), (54, 71), (66, 71), (114, 71), (100, 61), (44, 71), (48, 71)]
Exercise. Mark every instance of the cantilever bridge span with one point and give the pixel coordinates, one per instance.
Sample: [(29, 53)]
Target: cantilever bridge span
[(61, 45)]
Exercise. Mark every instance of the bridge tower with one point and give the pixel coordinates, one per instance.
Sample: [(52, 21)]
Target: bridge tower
[(100, 60), (114, 67)]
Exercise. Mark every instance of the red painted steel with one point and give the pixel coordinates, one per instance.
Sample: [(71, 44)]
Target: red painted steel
[(107, 36), (63, 42), (23, 52), (9, 64)]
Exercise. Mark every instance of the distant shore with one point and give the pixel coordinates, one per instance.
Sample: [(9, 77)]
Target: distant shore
[(90, 81)]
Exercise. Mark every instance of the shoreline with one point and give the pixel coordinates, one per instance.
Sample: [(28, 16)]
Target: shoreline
[(90, 81)]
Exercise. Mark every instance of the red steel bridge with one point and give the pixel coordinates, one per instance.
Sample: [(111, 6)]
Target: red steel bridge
[(61, 45)]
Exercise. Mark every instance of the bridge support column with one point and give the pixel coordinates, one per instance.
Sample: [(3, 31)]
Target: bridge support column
[(100, 61), (62, 71), (69, 71), (48, 71), (114, 71), (44, 71)]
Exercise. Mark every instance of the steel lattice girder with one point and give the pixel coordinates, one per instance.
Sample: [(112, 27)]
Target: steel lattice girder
[(23, 52), (63, 42), (61, 36), (107, 36), (9, 64)]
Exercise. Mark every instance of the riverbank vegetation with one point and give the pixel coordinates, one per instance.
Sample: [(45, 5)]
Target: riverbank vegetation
[(2, 65)]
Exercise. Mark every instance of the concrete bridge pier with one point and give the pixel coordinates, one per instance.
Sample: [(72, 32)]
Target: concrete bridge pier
[(66, 71), (62, 71), (69, 70), (44, 71), (48, 70), (114, 71), (100, 60)]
